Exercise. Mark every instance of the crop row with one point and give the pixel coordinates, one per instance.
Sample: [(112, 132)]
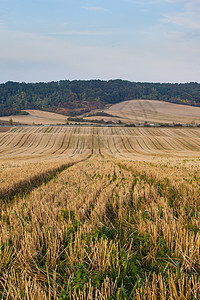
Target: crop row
[(112, 141), (104, 229), (110, 226)]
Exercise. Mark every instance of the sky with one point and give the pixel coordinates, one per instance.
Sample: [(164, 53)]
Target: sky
[(136, 40)]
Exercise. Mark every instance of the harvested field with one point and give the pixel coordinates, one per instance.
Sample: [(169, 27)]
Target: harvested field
[(99, 213), (139, 111), (37, 117), (46, 143), (4, 129)]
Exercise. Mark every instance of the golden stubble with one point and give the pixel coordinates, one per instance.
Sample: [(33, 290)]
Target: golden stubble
[(156, 197)]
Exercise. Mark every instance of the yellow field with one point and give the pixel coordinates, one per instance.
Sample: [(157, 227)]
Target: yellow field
[(100, 213), (139, 111), (70, 142), (131, 111), (37, 117)]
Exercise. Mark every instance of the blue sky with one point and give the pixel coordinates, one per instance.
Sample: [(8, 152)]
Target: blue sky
[(137, 40)]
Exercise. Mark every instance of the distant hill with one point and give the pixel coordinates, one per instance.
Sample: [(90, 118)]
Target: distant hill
[(35, 117), (80, 96), (153, 111)]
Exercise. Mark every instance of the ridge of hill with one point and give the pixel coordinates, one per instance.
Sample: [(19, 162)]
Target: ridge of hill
[(81, 96)]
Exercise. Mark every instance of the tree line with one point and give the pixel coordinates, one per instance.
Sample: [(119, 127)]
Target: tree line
[(80, 96)]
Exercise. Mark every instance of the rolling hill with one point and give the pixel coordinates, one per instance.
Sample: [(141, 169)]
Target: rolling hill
[(128, 112), (36, 117), (139, 111), (81, 96)]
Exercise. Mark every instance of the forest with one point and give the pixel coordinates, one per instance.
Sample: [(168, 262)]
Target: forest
[(80, 96)]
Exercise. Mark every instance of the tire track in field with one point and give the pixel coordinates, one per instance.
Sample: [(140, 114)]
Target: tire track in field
[(120, 146), (49, 149), (47, 144), (99, 146), (184, 145), (32, 146), (196, 133), (123, 142), (17, 140), (146, 144), (113, 141), (10, 140), (4, 140), (42, 149), (157, 145), (76, 145), (197, 142), (55, 144), (67, 142), (28, 147), (128, 142), (24, 148), (116, 141), (70, 142), (132, 140), (105, 146), (18, 150), (169, 145), (38, 141), (25, 187), (61, 144), (187, 144)]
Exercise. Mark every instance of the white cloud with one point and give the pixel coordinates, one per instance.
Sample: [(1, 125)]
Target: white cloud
[(31, 57), (94, 8), (146, 2), (84, 33), (188, 18)]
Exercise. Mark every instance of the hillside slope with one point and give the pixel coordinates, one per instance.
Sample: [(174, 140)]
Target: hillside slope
[(79, 96), (154, 111), (131, 111), (37, 117)]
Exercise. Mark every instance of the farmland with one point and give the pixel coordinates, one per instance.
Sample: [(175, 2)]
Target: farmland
[(36, 117), (129, 112), (99, 213), (138, 111)]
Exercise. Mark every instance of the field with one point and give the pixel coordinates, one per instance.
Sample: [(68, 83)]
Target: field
[(139, 111), (37, 117), (99, 213), (132, 111)]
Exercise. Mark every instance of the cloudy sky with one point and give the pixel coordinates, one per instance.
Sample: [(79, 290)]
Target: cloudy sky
[(137, 40)]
